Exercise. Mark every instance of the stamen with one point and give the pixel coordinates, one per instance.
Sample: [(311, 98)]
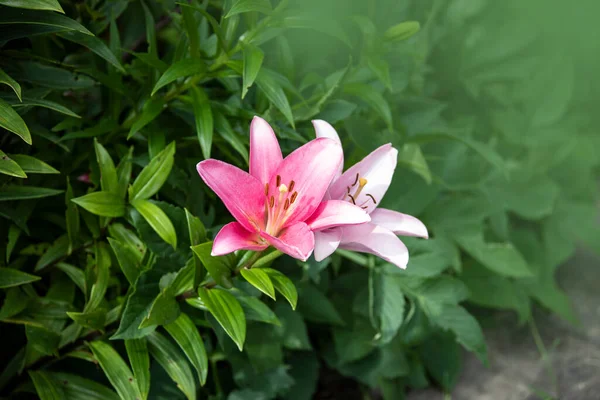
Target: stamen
[(283, 188), (361, 184), (356, 180), (271, 201), (352, 198), (278, 180), (292, 183), (293, 199), (372, 198), (266, 189), (286, 205)]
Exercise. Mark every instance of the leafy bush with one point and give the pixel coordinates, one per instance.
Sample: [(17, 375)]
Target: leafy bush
[(107, 106)]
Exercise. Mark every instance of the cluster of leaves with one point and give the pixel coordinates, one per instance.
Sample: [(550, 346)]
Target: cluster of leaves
[(108, 286)]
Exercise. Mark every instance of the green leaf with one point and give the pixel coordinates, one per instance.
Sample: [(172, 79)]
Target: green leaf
[(412, 157), (13, 235), (196, 228), (181, 69), (401, 31), (94, 44), (102, 275), (381, 69), (227, 311), (253, 59), (10, 277), (11, 121), (10, 167), (55, 252), (42, 340), (53, 77), (33, 165), (316, 307), (273, 91), (74, 273), (137, 352), (164, 310), (204, 120), (127, 237), (78, 388), (373, 99), (190, 24), (105, 204), (108, 172), (19, 23), (51, 105), (116, 370), (154, 175), (93, 319), (152, 109), (260, 280), (227, 133), (219, 267), (173, 362), (502, 258), (51, 5), (124, 173), (158, 220), (256, 310), (243, 6), (103, 127), (189, 340), (127, 259), (443, 359), (283, 285), (46, 387), (388, 305), (294, 332), (7, 80)]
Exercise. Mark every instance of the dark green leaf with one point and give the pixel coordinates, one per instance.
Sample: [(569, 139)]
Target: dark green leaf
[(13, 235), (154, 175), (33, 165), (116, 370), (52, 77), (189, 340), (137, 352), (108, 172), (7, 80), (228, 312), (46, 387), (157, 219), (102, 275), (273, 91), (219, 267), (127, 258), (163, 311), (253, 59), (373, 99), (295, 334), (18, 23), (10, 167), (93, 319), (243, 6), (11, 121), (105, 204), (259, 279), (76, 274), (152, 109), (283, 285), (10, 277), (443, 360), (256, 310), (181, 69), (388, 306), (204, 120), (55, 252), (94, 44), (51, 105), (51, 5), (316, 307), (77, 388)]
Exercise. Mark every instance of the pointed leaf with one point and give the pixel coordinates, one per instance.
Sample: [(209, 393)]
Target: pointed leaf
[(105, 204), (94, 44), (253, 59), (94, 319), (181, 69), (78, 388), (219, 267), (152, 109), (373, 99), (273, 91), (102, 274), (51, 5), (283, 285), (154, 175), (227, 311), (127, 259), (243, 6), (189, 340), (116, 370), (108, 172), (11, 121), (51, 105), (10, 277), (33, 165), (260, 280), (10, 167), (137, 351), (204, 120), (157, 219), (7, 80), (46, 387), (402, 31), (18, 23)]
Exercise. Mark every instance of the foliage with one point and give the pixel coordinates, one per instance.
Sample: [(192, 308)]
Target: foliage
[(108, 286)]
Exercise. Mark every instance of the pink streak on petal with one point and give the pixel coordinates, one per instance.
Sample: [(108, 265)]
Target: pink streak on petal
[(242, 194), (334, 213), (323, 129), (400, 224), (234, 236), (326, 242), (265, 153), (297, 241), (377, 168), (374, 239), (312, 168)]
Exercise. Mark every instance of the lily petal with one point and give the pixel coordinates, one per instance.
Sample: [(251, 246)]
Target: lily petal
[(234, 236), (400, 224), (323, 129), (242, 194), (265, 153), (374, 239), (297, 241), (326, 242), (336, 212), (311, 168), (377, 168)]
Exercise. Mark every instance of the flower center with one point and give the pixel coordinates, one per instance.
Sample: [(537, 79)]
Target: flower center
[(278, 205), (361, 182)]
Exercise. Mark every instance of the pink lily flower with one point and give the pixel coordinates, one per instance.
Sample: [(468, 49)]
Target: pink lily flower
[(364, 185), (273, 203)]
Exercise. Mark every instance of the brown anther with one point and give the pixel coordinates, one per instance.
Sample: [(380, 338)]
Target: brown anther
[(372, 198), (271, 201), (266, 189), (286, 205), (278, 180), (352, 198), (293, 199), (356, 180), (364, 207), (348, 187), (291, 187)]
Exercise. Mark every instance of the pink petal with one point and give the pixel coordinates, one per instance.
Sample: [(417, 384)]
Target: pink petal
[(326, 242), (242, 194), (323, 129), (400, 224), (336, 212), (234, 236), (377, 168), (297, 241), (311, 168), (265, 153), (374, 239)]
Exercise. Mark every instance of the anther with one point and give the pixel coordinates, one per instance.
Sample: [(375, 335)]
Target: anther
[(278, 180), (372, 198), (364, 207), (294, 195), (286, 205), (362, 182), (266, 189), (348, 187), (292, 183), (352, 198), (356, 180), (271, 201)]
